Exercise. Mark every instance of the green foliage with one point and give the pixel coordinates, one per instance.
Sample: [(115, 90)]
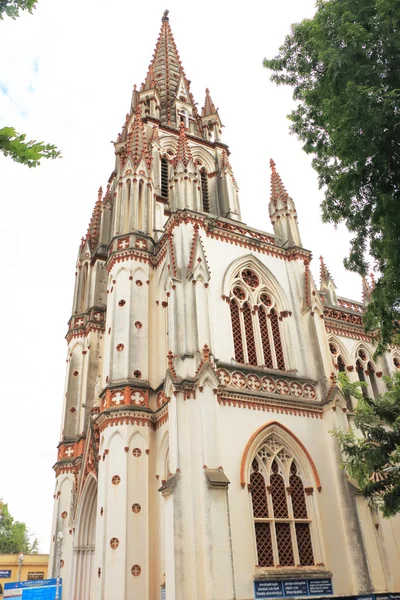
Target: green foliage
[(11, 8), (343, 66), (373, 458), (14, 535), (13, 144), (28, 153)]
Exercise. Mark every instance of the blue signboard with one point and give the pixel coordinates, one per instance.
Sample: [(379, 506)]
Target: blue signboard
[(320, 587), (268, 589), (5, 573), (44, 589), (295, 588), (292, 588)]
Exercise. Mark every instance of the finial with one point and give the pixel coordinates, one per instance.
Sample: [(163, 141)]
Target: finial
[(165, 16), (272, 164)]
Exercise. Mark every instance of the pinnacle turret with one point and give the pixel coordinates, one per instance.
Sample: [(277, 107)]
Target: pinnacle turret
[(209, 106), (324, 274), (282, 211), (183, 153), (137, 142), (327, 285), (93, 231)]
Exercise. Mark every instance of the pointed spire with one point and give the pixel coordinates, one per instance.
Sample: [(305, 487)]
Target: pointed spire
[(166, 72), (93, 232), (209, 106), (150, 81), (183, 153), (279, 196), (325, 276), (155, 138), (366, 291), (226, 166), (282, 211), (137, 143)]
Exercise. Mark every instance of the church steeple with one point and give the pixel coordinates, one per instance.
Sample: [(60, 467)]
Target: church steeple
[(282, 211), (167, 77)]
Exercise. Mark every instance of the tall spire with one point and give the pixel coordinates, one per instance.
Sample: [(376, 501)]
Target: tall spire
[(166, 74)]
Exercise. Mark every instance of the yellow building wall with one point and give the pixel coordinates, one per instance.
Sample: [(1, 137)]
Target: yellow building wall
[(33, 567)]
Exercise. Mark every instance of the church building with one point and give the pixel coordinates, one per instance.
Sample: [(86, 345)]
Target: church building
[(196, 459)]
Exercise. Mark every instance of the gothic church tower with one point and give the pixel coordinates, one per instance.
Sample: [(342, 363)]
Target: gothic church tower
[(195, 455)]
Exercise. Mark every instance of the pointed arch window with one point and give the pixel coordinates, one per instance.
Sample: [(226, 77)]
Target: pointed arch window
[(164, 177), (367, 373), (279, 505), (256, 326), (205, 198), (340, 365)]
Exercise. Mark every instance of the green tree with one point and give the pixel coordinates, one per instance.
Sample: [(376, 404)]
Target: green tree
[(372, 455), (13, 144), (14, 535), (11, 8), (343, 66)]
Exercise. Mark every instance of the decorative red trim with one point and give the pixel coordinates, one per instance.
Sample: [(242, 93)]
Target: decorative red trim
[(296, 439)]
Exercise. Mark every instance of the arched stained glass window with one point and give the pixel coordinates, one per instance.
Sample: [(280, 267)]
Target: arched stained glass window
[(279, 504), (255, 317)]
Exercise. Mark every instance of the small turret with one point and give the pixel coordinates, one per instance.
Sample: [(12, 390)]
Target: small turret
[(327, 285), (210, 120), (282, 212)]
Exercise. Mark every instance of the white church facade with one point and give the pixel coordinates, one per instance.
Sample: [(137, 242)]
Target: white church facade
[(196, 460)]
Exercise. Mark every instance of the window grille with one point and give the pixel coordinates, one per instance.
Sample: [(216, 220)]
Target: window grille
[(164, 178), (277, 341), (282, 525), (264, 545), (262, 318), (204, 191), (284, 541), (304, 544), (261, 342), (237, 334), (248, 326)]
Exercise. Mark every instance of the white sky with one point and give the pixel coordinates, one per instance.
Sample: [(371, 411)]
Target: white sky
[(67, 79)]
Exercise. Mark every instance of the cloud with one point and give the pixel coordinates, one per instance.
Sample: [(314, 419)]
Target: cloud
[(36, 65), (3, 89)]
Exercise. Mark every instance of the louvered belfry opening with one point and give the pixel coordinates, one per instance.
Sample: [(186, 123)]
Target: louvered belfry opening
[(204, 191), (279, 504), (256, 321), (164, 178)]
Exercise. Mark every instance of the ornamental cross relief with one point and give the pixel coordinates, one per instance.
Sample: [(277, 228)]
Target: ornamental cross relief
[(123, 244), (118, 398)]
